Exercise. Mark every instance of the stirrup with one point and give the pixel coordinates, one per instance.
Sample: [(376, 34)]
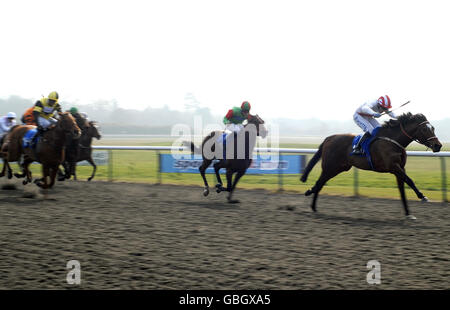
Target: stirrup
[(358, 151)]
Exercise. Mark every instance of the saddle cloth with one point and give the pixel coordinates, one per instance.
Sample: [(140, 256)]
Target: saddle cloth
[(366, 145)]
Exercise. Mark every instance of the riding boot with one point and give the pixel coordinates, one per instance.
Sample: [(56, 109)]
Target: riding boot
[(40, 133), (358, 150)]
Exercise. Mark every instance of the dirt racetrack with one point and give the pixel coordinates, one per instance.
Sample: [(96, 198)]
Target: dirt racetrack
[(137, 236)]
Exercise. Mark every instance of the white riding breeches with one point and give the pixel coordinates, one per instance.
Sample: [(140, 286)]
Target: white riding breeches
[(233, 128), (45, 123), (365, 123)]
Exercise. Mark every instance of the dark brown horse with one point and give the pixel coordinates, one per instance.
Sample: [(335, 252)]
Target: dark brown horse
[(49, 150), (78, 150), (387, 151), (238, 156)]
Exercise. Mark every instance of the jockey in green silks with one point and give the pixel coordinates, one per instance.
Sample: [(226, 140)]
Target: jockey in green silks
[(235, 117)]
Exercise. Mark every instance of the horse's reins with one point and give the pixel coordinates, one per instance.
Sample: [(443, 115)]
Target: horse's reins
[(417, 140)]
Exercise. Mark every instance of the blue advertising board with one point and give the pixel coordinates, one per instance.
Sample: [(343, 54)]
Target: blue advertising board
[(281, 164)]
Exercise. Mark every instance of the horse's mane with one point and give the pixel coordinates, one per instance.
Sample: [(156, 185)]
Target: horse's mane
[(404, 119)]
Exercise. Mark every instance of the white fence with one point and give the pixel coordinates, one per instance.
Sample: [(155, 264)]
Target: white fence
[(441, 155)]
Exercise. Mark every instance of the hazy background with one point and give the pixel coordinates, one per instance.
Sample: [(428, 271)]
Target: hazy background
[(301, 64), (114, 119)]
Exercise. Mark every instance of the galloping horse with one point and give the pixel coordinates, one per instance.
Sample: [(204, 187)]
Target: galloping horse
[(78, 150), (387, 150), (49, 150), (239, 161)]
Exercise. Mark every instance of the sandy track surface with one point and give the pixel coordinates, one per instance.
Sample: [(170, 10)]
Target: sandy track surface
[(137, 236)]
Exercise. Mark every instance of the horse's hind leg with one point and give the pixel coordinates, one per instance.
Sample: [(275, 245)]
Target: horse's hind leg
[(324, 177), (202, 169), (411, 184), (316, 189)]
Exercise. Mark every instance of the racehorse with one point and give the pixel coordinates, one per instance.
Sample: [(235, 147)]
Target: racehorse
[(49, 150), (78, 150), (236, 163), (387, 151)]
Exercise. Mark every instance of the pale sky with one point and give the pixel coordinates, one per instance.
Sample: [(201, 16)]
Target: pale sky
[(296, 59)]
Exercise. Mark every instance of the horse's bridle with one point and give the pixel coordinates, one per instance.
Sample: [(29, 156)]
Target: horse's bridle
[(259, 122), (417, 140)]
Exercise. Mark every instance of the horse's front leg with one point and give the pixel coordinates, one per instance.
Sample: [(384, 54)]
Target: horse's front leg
[(26, 171), (239, 174), (43, 183), (73, 171), (411, 184), (2, 174), (91, 161), (53, 172), (401, 178), (10, 172)]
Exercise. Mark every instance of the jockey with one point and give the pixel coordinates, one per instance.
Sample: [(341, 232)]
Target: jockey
[(365, 116), (6, 123), (44, 111), (235, 117), (79, 117), (28, 118)]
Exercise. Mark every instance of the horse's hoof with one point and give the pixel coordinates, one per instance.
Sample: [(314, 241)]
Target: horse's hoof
[(219, 188), (424, 199), (206, 192), (303, 179), (233, 201), (411, 217), (308, 192), (90, 179), (10, 175), (24, 182)]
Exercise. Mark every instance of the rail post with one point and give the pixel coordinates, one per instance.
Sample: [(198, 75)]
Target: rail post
[(280, 174), (355, 182), (444, 180), (110, 165), (158, 169)]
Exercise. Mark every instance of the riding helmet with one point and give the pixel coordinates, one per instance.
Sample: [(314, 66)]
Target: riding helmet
[(245, 106), (385, 102)]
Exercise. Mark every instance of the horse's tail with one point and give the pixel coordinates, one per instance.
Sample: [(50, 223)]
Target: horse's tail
[(312, 163), (194, 149)]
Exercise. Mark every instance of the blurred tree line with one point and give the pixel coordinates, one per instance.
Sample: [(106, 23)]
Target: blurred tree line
[(116, 120)]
